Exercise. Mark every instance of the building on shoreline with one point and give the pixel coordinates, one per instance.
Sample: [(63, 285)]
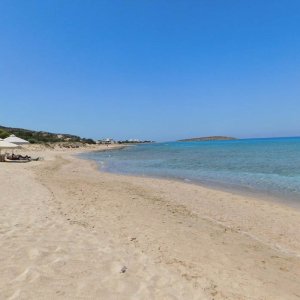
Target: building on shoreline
[(107, 141), (110, 141)]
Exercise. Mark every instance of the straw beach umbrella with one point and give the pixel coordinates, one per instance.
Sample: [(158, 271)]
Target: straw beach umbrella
[(7, 145), (16, 140)]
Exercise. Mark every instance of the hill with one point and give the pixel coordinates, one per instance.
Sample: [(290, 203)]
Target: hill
[(209, 138), (42, 136)]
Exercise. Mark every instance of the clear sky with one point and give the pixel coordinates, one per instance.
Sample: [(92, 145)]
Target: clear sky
[(152, 69)]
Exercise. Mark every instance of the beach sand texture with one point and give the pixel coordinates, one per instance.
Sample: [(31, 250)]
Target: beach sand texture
[(71, 232)]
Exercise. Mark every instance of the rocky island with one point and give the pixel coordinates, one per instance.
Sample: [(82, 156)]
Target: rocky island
[(209, 138)]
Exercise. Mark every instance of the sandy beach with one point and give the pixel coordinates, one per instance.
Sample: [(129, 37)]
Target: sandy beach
[(69, 231)]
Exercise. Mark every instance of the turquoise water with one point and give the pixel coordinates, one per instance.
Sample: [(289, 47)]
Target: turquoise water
[(267, 166)]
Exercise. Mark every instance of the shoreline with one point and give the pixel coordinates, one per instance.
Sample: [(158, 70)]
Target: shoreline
[(256, 198), (236, 190), (73, 229)]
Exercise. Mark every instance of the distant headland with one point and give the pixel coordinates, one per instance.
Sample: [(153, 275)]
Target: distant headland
[(209, 138)]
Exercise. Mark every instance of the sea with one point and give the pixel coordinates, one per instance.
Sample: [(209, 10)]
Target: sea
[(269, 167)]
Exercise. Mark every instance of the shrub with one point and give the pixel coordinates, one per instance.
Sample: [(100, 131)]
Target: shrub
[(3, 134)]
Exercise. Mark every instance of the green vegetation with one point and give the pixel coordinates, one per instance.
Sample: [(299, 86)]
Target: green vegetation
[(3, 134), (134, 142), (88, 141), (42, 136)]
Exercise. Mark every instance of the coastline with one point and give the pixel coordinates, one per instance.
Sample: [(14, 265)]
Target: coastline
[(250, 193), (258, 200), (273, 188), (222, 188), (73, 228)]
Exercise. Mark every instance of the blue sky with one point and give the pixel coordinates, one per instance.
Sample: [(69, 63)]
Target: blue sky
[(155, 69)]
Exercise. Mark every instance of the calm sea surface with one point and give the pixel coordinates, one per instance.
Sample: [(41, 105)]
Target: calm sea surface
[(267, 166)]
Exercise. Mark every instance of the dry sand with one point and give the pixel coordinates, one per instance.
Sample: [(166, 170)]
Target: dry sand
[(68, 231)]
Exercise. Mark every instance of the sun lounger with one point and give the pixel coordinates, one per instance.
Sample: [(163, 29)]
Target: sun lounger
[(17, 160)]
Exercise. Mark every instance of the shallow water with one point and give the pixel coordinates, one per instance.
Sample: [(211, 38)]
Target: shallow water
[(267, 166)]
